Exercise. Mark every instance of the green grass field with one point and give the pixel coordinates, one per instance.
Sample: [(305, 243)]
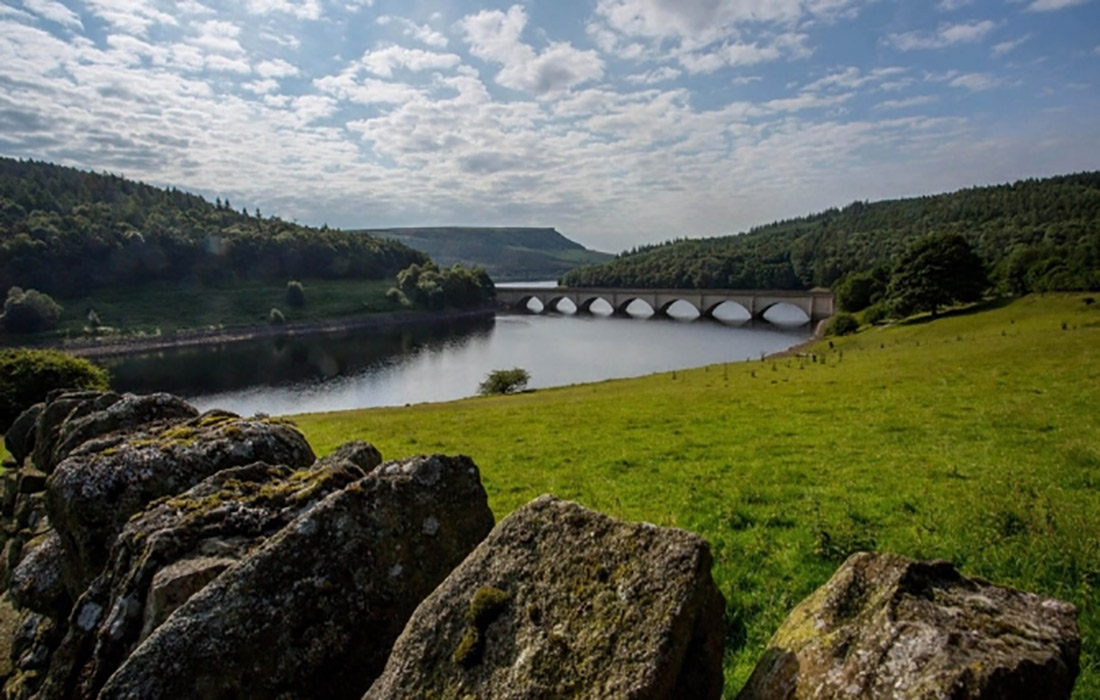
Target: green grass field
[(973, 438), (143, 309)]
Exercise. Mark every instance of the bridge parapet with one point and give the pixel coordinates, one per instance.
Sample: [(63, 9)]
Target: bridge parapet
[(817, 304)]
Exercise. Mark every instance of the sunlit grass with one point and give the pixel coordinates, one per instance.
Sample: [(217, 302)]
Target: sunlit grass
[(972, 438)]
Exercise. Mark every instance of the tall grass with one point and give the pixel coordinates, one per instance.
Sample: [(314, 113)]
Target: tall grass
[(974, 437)]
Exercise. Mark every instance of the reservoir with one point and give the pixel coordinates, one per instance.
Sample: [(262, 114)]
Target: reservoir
[(442, 360)]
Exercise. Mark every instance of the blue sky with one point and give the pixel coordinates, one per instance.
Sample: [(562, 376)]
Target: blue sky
[(617, 121)]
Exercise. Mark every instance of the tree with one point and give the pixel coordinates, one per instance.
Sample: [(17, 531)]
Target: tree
[(859, 290), (935, 271), (26, 376), (29, 311), (295, 293), (843, 323), (504, 381)]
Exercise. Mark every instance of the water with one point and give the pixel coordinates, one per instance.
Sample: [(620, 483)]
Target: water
[(438, 362)]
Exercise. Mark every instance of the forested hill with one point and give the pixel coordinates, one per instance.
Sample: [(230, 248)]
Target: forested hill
[(66, 231), (506, 253), (1045, 234)]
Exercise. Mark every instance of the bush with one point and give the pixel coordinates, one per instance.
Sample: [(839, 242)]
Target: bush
[(504, 381), (26, 376), (295, 294), (859, 290), (29, 311), (876, 313), (396, 296), (843, 323), (276, 318)]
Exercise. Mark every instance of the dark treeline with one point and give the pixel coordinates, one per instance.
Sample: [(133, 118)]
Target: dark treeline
[(67, 232), (1032, 235)]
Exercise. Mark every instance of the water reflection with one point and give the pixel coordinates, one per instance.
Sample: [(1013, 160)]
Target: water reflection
[(438, 362)]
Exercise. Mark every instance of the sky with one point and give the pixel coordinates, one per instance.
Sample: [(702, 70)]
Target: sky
[(619, 122)]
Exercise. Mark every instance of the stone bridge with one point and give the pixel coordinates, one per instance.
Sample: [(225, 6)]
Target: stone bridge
[(816, 304)]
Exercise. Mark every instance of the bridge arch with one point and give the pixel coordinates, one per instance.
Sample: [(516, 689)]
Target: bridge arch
[(731, 310), (586, 303), (524, 304), (785, 308), (554, 304), (666, 309), (623, 309)]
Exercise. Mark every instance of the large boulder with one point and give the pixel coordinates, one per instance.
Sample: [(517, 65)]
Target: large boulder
[(561, 601), (19, 438), (314, 610), (885, 626), (106, 480), (171, 551)]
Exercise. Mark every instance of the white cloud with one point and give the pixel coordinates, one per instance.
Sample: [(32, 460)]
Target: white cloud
[(952, 5), (218, 36), (657, 75), (1052, 5), (946, 35), (383, 62), (495, 36), (907, 102), (302, 9), (1007, 46), (262, 87), (420, 32), (55, 12), (975, 82), (276, 68), (130, 16)]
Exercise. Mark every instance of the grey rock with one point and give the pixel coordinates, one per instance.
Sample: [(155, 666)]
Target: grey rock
[(561, 601), (19, 439), (105, 481), (885, 626), (314, 610), (36, 583), (358, 452), (59, 407), (31, 481), (171, 551)]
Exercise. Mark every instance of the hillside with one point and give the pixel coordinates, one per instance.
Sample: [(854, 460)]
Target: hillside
[(786, 466), (506, 253), (105, 231), (1034, 235)]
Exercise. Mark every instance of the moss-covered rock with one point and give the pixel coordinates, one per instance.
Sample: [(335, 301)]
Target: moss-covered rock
[(885, 626), (105, 481), (314, 609), (561, 601)]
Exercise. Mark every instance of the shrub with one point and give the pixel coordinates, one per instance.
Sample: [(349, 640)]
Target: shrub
[(295, 293), (504, 381), (26, 376), (876, 313), (276, 317), (29, 311), (396, 296), (843, 323)]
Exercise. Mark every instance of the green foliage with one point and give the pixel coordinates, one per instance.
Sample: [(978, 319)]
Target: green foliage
[(858, 290), (876, 313), (936, 271), (276, 317), (105, 231), (26, 376), (457, 287), (973, 438), (295, 294), (504, 381), (842, 323), (29, 311), (396, 296), (1057, 219)]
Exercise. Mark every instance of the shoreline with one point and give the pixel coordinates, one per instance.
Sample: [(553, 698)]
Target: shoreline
[(92, 348)]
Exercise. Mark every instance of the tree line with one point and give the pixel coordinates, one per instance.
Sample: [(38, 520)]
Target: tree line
[(1031, 235), (68, 232)]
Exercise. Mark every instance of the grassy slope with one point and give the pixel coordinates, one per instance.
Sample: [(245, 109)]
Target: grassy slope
[(974, 438), (167, 307)]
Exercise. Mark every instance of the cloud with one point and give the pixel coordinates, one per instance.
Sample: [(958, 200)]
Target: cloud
[(55, 12), (130, 16), (657, 75), (1007, 46), (1052, 5), (976, 82), (946, 35), (420, 32), (383, 62), (302, 9), (907, 102), (218, 36), (952, 5), (494, 36), (276, 68)]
